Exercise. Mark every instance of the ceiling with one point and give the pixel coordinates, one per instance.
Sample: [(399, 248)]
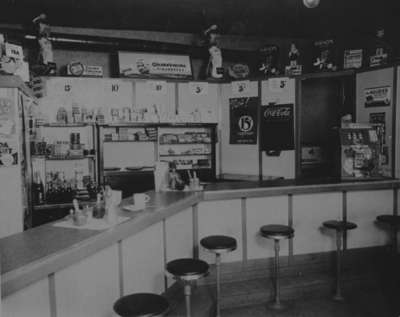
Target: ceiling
[(275, 18)]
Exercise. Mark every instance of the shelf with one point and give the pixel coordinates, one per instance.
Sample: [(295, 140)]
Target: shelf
[(62, 205), (64, 158), (179, 168), (191, 154), (129, 141), (159, 124), (188, 143), (61, 125)]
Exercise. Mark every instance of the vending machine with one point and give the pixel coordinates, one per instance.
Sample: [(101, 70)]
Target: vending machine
[(15, 166), (361, 152)]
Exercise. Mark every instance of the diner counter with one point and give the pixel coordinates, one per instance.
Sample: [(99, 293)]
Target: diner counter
[(38, 253)]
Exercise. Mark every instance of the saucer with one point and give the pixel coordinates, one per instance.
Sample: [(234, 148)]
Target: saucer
[(132, 208)]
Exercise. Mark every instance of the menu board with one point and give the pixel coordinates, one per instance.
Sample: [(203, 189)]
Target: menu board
[(276, 131), (243, 120)]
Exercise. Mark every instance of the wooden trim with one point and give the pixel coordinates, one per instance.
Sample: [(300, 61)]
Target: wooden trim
[(195, 218), (297, 128), (121, 269), (243, 206), (290, 224), (259, 112), (395, 201), (52, 295), (164, 233), (344, 217), (394, 113)]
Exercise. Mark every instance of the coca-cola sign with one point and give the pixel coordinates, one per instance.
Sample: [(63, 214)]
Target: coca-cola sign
[(278, 113), (277, 133)]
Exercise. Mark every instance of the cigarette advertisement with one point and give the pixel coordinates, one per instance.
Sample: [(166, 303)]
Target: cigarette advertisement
[(152, 65), (243, 120)]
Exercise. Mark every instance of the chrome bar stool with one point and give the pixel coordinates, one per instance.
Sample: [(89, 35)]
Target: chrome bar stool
[(141, 305), (187, 271), (394, 222), (277, 233), (218, 245), (340, 227)]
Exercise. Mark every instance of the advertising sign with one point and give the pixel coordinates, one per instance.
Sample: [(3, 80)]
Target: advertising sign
[(276, 131), (377, 96), (152, 65), (243, 120)]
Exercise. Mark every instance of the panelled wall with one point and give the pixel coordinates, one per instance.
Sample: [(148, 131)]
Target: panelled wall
[(136, 264)]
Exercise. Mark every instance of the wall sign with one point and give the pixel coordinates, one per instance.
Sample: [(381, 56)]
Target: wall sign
[(152, 65), (243, 120), (198, 88), (240, 87), (276, 131), (278, 84), (377, 96)]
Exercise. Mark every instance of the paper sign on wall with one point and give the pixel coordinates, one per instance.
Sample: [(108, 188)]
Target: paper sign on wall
[(198, 88), (377, 96), (156, 87), (14, 51), (278, 84), (240, 87)]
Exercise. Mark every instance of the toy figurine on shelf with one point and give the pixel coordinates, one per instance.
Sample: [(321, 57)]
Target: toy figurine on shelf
[(324, 60), (293, 68), (46, 65), (214, 67), (269, 60)]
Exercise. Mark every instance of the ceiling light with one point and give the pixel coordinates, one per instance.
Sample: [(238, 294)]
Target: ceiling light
[(311, 3)]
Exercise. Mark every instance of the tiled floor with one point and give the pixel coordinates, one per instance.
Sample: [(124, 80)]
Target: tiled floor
[(363, 304)]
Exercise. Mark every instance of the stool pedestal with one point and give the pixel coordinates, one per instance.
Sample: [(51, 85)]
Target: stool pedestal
[(340, 227), (277, 233), (187, 271), (218, 245)]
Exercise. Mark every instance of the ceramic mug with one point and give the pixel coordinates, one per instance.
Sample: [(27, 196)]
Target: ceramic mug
[(140, 200)]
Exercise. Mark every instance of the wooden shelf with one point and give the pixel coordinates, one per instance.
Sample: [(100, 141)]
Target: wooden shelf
[(191, 154), (61, 125), (64, 158), (187, 143), (129, 141)]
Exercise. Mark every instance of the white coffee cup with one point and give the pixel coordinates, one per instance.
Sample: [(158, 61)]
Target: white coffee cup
[(140, 200)]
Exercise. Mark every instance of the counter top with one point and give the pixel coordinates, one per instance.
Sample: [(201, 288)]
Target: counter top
[(34, 254)]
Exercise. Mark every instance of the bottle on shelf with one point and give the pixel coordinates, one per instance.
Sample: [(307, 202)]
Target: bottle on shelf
[(38, 190), (98, 209)]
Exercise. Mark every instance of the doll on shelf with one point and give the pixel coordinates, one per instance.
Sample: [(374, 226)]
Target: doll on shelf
[(214, 67), (45, 47), (293, 55)]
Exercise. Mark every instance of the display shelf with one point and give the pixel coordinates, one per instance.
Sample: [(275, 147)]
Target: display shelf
[(185, 143), (191, 154), (62, 125), (129, 141), (47, 206), (64, 158)]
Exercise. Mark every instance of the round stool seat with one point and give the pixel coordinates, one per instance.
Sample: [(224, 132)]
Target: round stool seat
[(277, 232), (141, 305), (393, 220), (219, 244), (339, 225), (188, 269)]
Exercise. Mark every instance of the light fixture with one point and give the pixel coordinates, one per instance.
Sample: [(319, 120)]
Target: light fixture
[(311, 3)]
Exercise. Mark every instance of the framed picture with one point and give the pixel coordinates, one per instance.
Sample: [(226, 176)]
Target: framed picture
[(154, 65)]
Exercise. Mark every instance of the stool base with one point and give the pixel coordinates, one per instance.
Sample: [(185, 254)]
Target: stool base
[(338, 298), (277, 306)]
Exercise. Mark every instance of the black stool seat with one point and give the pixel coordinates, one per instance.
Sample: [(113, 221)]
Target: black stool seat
[(219, 243), (188, 268), (141, 305), (339, 225), (277, 232), (393, 220)]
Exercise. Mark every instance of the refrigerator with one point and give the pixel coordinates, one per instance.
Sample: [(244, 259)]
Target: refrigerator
[(15, 164)]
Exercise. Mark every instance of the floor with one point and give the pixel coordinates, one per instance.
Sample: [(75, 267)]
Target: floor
[(368, 303)]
